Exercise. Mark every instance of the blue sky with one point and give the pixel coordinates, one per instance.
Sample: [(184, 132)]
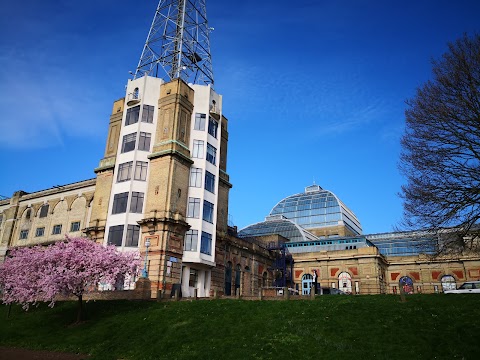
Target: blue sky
[(313, 90)]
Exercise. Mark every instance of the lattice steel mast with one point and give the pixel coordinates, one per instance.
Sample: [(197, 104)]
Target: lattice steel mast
[(178, 44)]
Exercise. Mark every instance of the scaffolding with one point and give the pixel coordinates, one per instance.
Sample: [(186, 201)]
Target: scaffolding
[(282, 267)]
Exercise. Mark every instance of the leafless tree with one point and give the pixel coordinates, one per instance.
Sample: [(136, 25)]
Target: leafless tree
[(441, 147)]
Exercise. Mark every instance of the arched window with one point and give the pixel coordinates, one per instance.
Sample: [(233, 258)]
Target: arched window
[(135, 93), (407, 284), (228, 279), (238, 272), (345, 282), (307, 281), (264, 279), (28, 214), (448, 282), (44, 211)]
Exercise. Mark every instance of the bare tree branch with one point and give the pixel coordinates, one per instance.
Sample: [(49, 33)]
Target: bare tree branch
[(441, 145)]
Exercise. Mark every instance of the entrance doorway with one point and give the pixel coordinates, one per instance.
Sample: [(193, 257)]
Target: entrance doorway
[(307, 281), (345, 282)]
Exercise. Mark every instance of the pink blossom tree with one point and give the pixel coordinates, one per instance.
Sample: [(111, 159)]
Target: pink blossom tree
[(74, 267)]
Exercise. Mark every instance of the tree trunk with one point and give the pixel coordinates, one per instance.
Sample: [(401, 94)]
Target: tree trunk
[(80, 309)]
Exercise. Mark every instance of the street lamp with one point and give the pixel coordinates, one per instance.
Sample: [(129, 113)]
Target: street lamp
[(145, 272)]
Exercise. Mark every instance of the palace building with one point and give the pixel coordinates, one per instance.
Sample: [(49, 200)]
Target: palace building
[(162, 188)]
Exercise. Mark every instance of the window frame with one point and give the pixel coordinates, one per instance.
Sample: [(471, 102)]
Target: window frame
[(57, 229), (39, 233), (133, 235), (190, 240), (147, 113), (144, 141), (206, 243), (143, 170), (72, 226), (209, 181), (126, 166), (193, 208), (23, 234), (127, 143), (200, 120), (44, 211), (136, 202), (132, 115), (211, 154), (212, 127), (208, 210), (195, 179), (118, 207), (115, 229), (198, 149)]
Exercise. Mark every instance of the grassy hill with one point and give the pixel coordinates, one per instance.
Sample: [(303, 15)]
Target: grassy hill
[(330, 327)]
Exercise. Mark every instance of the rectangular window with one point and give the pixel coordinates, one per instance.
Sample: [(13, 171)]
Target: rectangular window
[(193, 208), (147, 115), (57, 229), (133, 233), (193, 279), (136, 203), (207, 211), (132, 115), (206, 243), (75, 226), (195, 177), (212, 127), (141, 170), (144, 142), (128, 143), (209, 182), (124, 171), (197, 149), (200, 122), (40, 232), (191, 238), (44, 210), (23, 234), (120, 203), (115, 234), (211, 154)]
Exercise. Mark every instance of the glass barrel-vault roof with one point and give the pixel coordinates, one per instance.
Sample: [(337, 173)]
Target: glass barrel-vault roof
[(277, 225), (316, 208)]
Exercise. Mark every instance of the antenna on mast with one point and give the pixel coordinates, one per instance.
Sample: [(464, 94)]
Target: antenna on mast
[(178, 43)]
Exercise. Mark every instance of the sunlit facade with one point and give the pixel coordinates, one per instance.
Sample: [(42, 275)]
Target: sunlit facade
[(319, 211)]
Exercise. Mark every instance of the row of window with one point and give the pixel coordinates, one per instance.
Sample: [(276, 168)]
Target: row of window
[(200, 124), (198, 150), (133, 114), (196, 179), (120, 202), (129, 142), (125, 171), (115, 235), (43, 212), (193, 209), (191, 240), (56, 230)]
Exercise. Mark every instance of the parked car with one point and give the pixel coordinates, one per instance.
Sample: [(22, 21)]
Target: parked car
[(469, 287), (332, 291)]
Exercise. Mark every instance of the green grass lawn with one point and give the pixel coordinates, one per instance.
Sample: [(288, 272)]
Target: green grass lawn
[(331, 327)]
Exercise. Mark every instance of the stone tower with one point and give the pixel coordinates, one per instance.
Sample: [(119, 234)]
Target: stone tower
[(162, 187)]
